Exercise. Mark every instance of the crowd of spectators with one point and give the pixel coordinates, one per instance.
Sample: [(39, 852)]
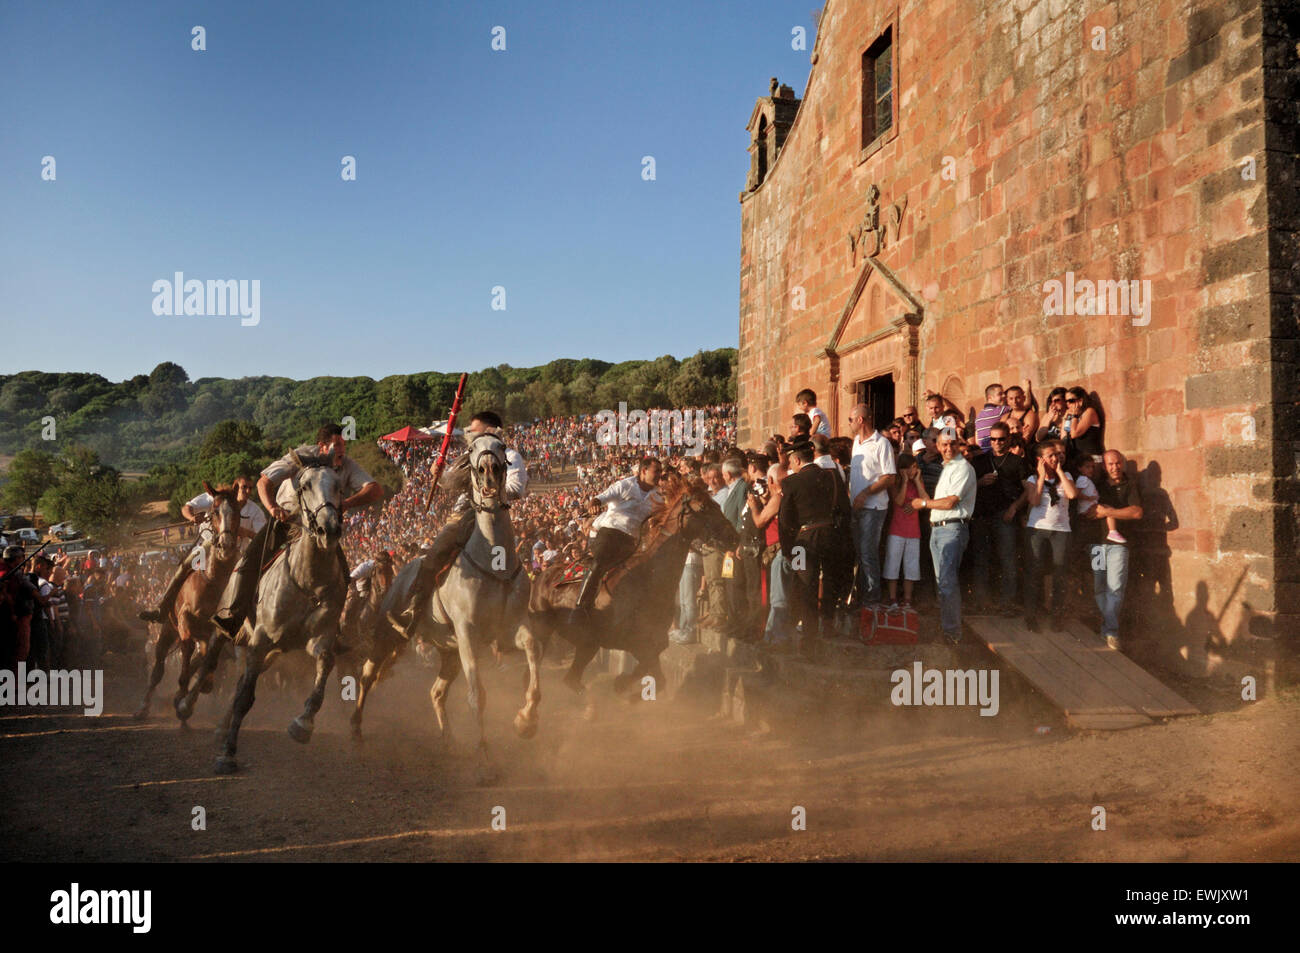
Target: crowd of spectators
[(63, 611), (1009, 492), (981, 507), (566, 467)]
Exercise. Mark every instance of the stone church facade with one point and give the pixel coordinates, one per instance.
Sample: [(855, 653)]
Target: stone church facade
[(903, 221)]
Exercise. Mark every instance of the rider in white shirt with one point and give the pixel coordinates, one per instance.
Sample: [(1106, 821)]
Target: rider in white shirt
[(627, 504), (251, 519)]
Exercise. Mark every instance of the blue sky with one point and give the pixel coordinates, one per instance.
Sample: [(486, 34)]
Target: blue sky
[(475, 169)]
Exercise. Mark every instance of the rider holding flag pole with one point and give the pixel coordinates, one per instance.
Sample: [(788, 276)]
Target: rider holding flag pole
[(460, 526)]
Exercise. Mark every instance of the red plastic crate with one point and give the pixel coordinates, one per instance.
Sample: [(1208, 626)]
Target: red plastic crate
[(889, 626)]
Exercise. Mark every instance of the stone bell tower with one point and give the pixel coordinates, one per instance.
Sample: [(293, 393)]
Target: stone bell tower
[(769, 124)]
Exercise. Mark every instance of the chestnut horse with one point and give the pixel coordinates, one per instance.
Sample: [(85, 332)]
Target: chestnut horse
[(638, 600), (188, 624)]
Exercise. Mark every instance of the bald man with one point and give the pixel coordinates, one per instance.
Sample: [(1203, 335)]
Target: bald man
[(871, 476)]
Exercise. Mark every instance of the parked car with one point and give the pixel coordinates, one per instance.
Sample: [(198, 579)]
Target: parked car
[(64, 531), (27, 535)]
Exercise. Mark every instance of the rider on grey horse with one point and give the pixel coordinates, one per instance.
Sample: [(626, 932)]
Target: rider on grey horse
[(357, 485), (460, 526)]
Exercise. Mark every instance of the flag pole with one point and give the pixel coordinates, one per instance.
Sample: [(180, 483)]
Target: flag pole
[(446, 440)]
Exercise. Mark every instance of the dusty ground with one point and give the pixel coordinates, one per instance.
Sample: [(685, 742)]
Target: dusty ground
[(646, 781)]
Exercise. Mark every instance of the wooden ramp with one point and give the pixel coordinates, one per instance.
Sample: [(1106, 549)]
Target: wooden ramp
[(1096, 686)]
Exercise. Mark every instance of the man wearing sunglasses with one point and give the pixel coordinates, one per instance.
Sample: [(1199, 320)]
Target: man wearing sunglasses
[(999, 478)]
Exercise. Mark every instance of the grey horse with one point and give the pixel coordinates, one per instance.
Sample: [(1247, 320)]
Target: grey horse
[(299, 599), (482, 600)]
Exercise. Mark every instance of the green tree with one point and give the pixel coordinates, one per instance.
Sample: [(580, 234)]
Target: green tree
[(234, 436), (377, 465), (89, 494), (31, 474), (168, 373)]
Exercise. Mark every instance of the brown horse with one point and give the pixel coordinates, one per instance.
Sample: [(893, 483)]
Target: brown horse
[(361, 621), (638, 600), (188, 624)]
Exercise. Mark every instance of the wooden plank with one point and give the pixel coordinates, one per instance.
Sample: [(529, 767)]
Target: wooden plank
[(1028, 660), (1066, 672), (1089, 662), (1088, 701), (1164, 702)]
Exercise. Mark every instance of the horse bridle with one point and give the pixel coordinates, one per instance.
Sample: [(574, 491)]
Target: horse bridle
[(475, 478), (233, 533), (312, 525)]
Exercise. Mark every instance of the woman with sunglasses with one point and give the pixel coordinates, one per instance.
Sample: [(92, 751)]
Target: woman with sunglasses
[(1083, 431), (1053, 427), (1047, 494)]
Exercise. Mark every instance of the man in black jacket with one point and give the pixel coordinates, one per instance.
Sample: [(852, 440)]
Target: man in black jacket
[(814, 509)]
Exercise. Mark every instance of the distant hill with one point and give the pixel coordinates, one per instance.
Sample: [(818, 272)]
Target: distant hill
[(160, 418)]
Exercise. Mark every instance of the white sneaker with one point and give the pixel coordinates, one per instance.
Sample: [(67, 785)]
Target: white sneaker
[(1113, 642)]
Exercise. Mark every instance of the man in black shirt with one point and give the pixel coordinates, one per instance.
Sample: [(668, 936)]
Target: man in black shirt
[(1000, 479), (1118, 498), (814, 510)]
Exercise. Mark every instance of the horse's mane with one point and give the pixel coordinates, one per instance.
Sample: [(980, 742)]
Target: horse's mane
[(675, 489)]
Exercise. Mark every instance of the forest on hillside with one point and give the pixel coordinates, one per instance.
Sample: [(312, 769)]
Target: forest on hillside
[(73, 434), (163, 417)]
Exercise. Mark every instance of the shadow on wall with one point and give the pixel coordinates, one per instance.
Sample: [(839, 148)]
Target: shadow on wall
[(1152, 619), (1195, 644)]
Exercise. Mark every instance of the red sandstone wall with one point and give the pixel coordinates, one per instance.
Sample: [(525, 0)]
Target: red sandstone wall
[(1116, 164)]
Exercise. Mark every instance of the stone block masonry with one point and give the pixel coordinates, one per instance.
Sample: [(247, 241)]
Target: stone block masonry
[(1117, 140)]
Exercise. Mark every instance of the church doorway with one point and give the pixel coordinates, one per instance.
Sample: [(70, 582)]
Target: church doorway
[(878, 394)]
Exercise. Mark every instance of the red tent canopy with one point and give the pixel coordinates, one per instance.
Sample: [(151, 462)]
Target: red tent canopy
[(407, 434)]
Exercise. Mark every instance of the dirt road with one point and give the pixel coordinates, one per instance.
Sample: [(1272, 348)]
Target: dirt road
[(645, 781)]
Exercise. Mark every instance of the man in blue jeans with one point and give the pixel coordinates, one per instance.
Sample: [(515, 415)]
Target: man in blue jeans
[(1118, 499), (951, 509), (871, 477)]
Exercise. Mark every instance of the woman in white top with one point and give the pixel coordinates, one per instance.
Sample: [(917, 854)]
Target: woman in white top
[(1047, 494)]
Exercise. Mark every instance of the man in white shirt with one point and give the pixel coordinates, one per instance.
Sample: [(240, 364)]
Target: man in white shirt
[(951, 509), (871, 476), (358, 489), (627, 504), (251, 521)]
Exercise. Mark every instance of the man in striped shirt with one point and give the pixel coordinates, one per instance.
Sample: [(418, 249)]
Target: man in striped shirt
[(995, 411)]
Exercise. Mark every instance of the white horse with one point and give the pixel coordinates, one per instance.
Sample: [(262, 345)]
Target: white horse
[(299, 598), (482, 599)]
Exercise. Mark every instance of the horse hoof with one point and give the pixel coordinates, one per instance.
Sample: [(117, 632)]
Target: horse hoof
[(356, 734), (622, 683), (184, 708), (299, 732), (225, 765), (525, 727), (488, 776), (185, 727), (589, 713), (142, 714)]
